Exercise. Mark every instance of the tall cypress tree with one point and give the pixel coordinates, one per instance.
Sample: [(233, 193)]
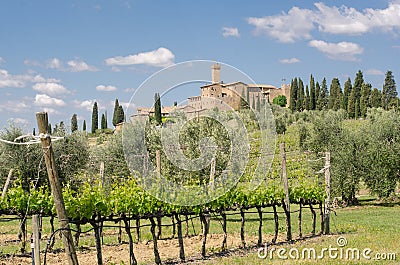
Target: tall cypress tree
[(351, 106), (317, 96), (120, 114), (389, 93), (157, 109), (346, 94), (313, 98), (335, 95), (307, 99), (364, 99), (74, 123), (95, 118), (323, 96), (103, 122), (115, 114), (358, 82), (243, 102), (293, 94), (259, 103), (84, 126), (300, 104), (106, 118)]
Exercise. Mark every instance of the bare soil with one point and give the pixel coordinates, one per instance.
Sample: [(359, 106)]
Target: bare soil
[(168, 248)]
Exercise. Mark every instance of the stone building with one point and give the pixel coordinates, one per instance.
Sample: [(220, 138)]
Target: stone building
[(227, 95), (224, 96)]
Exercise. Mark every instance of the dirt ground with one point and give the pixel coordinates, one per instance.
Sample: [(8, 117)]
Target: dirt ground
[(169, 251)]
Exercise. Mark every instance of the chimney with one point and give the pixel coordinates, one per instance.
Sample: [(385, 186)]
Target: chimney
[(216, 73)]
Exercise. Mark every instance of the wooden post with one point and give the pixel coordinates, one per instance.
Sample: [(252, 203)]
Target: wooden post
[(212, 173), (36, 239), (328, 193), (286, 187), (158, 162), (5, 188), (102, 173), (42, 120)]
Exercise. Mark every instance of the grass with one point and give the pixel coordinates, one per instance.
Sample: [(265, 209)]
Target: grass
[(370, 225)]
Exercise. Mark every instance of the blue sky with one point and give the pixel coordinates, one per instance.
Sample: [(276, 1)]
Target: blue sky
[(61, 56)]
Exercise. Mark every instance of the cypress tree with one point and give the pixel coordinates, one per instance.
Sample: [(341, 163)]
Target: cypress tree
[(313, 97), (351, 106), (243, 103), (389, 93), (49, 128), (358, 82), (335, 95), (74, 123), (365, 99), (95, 118), (317, 96), (300, 104), (293, 94), (121, 114), (103, 122), (157, 109), (84, 126), (106, 118), (375, 101), (307, 99), (346, 94), (324, 94), (115, 114)]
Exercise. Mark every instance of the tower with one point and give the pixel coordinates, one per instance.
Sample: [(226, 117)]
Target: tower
[(216, 73)]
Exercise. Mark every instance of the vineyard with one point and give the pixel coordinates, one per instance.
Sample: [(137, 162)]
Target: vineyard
[(127, 203), (111, 208), (97, 204)]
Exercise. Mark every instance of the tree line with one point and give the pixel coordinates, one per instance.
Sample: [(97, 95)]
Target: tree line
[(118, 117), (355, 98)]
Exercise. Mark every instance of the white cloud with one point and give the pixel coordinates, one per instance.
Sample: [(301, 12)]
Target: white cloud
[(50, 88), (18, 81), (15, 106), (129, 90), (161, 57), (374, 72), (51, 111), (80, 66), (345, 51), (85, 104), (76, 65), (19, 121), (7, 80), (289, 61), (295, 25), (54, 63), (298, 23), (106, 88), (45, 100), (230, 32), (28, 62)]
